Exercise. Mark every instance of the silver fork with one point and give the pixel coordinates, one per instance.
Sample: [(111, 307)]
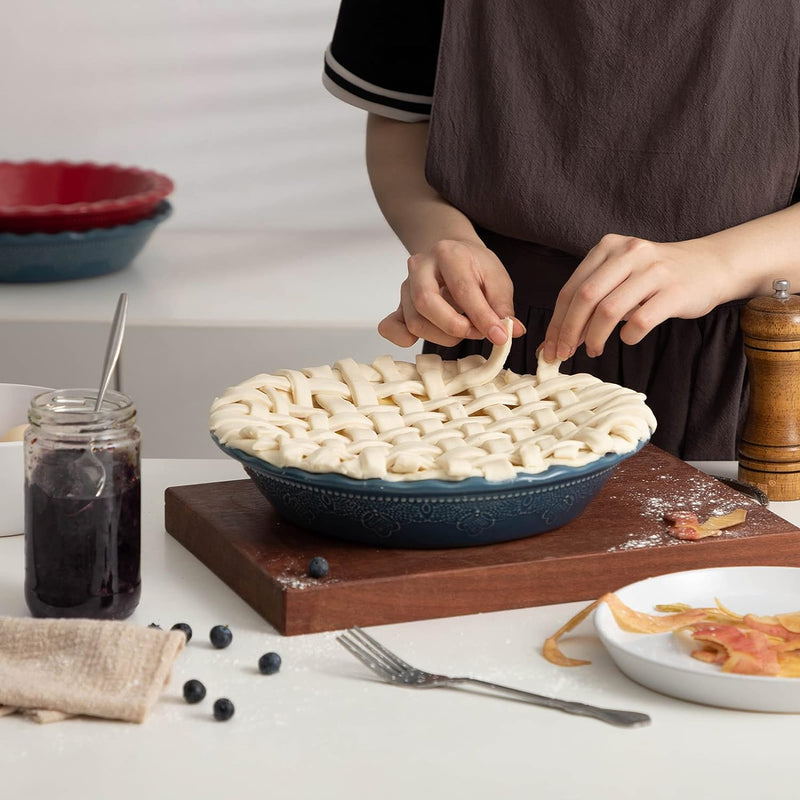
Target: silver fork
[(392, 668)]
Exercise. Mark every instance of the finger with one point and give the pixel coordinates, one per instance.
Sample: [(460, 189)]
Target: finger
[(427, 312), (625, 256), (644, 319), (518, 328), (618, 305), (470, 286), (565, 333), (593, 260), (500, 296), (448, 297), (422, 327), (393, 328)]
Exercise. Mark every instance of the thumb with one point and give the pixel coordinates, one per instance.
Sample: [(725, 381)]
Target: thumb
[(503, 305), (393, 327)]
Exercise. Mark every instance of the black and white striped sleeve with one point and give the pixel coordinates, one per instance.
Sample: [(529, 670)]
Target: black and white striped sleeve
[(382, 57)]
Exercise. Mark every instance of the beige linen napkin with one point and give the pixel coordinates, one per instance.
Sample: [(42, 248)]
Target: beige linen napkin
[(51, 669)]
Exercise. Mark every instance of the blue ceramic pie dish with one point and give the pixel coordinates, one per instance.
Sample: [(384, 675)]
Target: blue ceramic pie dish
[(428, 513), (68, 255)]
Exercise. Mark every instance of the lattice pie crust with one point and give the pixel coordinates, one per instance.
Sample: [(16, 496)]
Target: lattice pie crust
[(432, 419)]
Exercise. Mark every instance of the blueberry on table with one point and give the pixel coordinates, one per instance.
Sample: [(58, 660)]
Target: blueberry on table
[(155, 625), (269, 663), (220, 636), (193, 691), (223, 709), (182, 626), (318, 567)]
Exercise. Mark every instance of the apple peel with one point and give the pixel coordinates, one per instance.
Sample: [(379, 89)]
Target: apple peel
[(686, 526), (627, 619), (790, 621), (738, 644), (720, 613), (551, 650), (789, 664), (747, 651)]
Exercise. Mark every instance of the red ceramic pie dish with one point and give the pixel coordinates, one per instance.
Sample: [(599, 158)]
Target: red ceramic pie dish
[(53, 196)]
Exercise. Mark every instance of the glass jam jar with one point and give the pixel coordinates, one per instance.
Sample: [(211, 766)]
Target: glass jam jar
[(82, 505)]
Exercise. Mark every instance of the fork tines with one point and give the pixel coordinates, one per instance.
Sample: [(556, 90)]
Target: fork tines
[(372, 653)]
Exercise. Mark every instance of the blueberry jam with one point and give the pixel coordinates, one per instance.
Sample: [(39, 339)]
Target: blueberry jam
[(82, 551)]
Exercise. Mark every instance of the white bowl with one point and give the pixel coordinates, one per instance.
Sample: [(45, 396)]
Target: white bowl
[(14, 401)]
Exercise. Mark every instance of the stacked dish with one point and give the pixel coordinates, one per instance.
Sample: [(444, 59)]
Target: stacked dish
[(62, 220)]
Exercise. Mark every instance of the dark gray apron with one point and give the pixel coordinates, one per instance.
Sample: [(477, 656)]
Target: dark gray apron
[(555, 122)]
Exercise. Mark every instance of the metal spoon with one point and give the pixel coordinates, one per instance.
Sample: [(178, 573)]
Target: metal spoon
[(88, 463), (114, 347)]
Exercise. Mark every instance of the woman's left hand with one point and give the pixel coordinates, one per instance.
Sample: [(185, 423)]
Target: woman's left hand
[(637, 281)]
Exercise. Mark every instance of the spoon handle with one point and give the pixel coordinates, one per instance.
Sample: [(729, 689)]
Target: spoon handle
[(114, 347)]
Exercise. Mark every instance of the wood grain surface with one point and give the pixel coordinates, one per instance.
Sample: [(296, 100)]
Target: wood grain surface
[(620, 538), (769, 447)]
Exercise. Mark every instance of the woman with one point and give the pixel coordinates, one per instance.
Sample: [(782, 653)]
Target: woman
[(619, 175)]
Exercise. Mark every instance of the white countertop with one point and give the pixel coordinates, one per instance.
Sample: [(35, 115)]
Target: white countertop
[(323, 727)]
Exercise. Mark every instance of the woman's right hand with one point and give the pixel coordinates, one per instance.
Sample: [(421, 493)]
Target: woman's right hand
[(456, 287), (457, 290)]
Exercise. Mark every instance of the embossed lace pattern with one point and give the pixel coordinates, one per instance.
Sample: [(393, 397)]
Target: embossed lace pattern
[(431, 419)]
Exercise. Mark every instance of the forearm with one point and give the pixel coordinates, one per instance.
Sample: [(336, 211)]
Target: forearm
[(456, 288), (415, 211), (759, 251)]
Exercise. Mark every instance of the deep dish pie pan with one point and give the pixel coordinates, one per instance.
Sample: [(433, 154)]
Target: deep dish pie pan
[(55, 196), (427, 514), (72, 255)]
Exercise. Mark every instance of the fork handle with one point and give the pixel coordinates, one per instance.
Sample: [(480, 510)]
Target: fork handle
[(625, 719)]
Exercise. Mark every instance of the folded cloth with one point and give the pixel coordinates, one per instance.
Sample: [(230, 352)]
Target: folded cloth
[(51, 669)]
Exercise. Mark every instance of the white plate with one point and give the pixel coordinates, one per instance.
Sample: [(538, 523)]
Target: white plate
[(662, 663)]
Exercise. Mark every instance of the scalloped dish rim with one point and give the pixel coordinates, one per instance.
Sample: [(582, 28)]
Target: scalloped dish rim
[(335, 481)]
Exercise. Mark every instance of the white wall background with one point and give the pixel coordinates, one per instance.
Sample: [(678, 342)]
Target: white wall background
[(224, 96)]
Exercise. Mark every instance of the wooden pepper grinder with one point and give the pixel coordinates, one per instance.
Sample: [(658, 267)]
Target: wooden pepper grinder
[(769, 449)]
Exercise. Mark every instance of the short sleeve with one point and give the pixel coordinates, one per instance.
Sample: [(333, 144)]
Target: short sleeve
[(382, 57)]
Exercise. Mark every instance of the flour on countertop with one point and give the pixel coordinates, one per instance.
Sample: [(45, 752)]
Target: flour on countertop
[(698, 494), (637, 542), (294, 576), (294, 581)]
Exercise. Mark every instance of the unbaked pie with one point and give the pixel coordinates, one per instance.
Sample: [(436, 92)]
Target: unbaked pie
[(431, 419)]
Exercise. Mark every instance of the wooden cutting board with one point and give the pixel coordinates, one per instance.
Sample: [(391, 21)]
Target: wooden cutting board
[(619, 538)]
